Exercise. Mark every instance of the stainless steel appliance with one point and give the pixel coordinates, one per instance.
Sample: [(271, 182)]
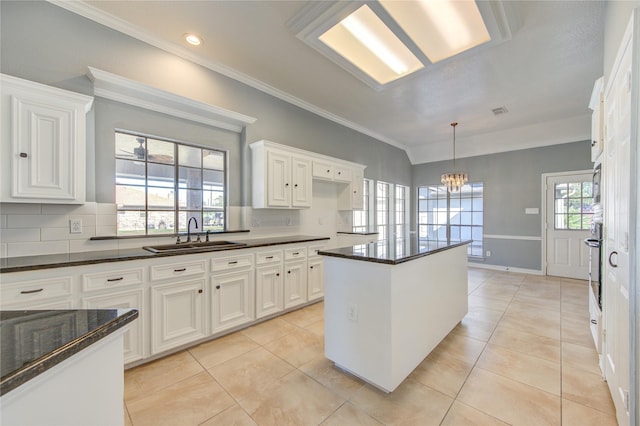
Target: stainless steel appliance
[(595, 261)]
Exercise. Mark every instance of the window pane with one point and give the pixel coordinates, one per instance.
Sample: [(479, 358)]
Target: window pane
[(130, 197), (212, 159), (190, 199), (190, 178), (562, 206), (455, 233), (465, 233), (561, 221), (131, 222), (561, 190), (478, 204), (465, 218), (575, 190), (161, 175), (587, 189), (213, 221), (160, 198), (455, 217), (160, 222), (130, 172), (183, 218), (130, 146), (465, 204), (212, 177), (161, 151), (476, 233), (213, 199), (455, 204), (477, 218), (189, 156)]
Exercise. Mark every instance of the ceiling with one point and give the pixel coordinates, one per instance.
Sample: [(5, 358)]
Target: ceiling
[(543, 74)]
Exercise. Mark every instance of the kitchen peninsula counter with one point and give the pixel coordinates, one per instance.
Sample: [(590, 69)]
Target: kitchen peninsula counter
[(388, 305)]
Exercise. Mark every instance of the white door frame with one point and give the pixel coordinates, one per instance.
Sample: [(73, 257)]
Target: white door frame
[(543, 215)]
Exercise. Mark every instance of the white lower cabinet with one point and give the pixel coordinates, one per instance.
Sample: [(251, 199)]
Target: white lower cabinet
[(268, 289), (315, 279), (30, 293), (134, 299), (177, 314), (295, 283), (232, 299)]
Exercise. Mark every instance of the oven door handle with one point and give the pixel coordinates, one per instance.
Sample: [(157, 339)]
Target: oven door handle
[(610, 256)]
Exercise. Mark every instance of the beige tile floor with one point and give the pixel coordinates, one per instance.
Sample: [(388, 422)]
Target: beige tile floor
[(523, 356)]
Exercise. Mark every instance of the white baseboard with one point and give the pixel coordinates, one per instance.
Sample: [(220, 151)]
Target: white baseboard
[(505, 268)]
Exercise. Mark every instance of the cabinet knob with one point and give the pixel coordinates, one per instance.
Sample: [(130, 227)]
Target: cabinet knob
[(310, 267), (286, 185), (278, 274), (217, 287), (200, 291), (295, 186), (23, 155), (288, 272), (328, 170)]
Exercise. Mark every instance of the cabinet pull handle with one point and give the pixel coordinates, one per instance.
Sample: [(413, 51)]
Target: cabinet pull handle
[(593, 143), (31, 291), (269, 257), (610, 256), (217, 287), (23, 155), (594, 322), (180, 270), (199, 291), (233, 262), (295, 253), (110, 280)]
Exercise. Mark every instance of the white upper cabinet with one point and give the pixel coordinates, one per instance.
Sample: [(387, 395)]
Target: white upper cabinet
[(44, 140), (282, 177)]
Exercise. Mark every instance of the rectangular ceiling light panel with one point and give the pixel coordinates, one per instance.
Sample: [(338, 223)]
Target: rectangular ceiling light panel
[(440, 28), (365, 41)]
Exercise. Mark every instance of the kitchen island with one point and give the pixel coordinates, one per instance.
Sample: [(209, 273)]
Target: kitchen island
[(63, 367), (389, 304)]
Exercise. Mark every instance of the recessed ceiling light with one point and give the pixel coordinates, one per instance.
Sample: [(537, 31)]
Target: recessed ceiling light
[(368, 43), (193, 39), (440, 28)]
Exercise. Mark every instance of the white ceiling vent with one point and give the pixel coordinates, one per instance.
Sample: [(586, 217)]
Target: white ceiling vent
[(500, 110)]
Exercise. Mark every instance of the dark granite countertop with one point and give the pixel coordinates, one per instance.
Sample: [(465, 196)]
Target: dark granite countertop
[(357, 233), (30, 263), (391, 252), (60, 334)]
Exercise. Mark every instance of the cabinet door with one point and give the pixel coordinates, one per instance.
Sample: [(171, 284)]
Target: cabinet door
[(315, 288), (43, 134), (356, 191), (232, 300), (596, 132), (278, 179), (268, 290), (295, 284), (177, 312), (302, 180), (134, 337)]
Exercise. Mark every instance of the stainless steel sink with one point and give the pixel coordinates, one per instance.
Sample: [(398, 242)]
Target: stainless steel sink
[(193, 247)]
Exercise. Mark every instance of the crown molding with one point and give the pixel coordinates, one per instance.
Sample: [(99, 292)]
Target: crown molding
[(120, 89), (97, 15)]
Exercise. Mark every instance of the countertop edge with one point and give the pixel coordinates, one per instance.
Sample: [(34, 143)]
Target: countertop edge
[(391, 261), (115, 257), (55, 357)]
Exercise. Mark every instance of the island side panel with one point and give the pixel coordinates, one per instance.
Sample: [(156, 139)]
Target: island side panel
[(358, 341), (429, 297)]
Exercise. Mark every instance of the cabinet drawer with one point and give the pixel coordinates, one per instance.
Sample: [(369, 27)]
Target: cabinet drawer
[(295, 253), (111, 279), (26, 291), (313, 250), (322, 170), (231, 263), (268, 257), (174, 270), (343, 174)]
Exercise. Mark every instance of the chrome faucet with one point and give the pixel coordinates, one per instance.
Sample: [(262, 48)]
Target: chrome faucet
[(189, 227)]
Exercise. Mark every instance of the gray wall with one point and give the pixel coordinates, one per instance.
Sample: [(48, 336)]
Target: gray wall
[(44, 43), (512, 182)]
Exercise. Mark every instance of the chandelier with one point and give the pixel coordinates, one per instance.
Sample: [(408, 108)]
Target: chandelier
[(454, 180)]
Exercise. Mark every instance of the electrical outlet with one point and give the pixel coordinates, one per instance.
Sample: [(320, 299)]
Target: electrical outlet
[(352, 312), (488, 254), (75, 226)]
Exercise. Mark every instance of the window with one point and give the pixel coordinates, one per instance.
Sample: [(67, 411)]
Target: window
[(572, 205), (161, 184), (361, 218), (401, 222), (383, 205), (445, 216)]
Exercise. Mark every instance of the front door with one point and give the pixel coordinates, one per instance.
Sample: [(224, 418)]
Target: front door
[(568, 216)]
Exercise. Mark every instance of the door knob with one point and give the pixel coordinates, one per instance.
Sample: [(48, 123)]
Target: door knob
[(610, 256)]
